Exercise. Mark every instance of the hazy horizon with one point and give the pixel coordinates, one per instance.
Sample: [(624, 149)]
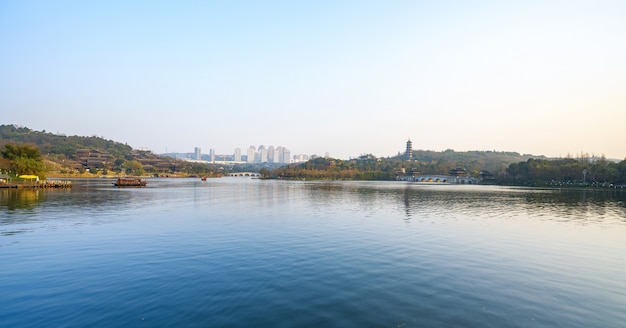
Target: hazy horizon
[(347, 78)]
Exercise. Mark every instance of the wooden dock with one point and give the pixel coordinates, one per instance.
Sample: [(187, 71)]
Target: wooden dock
[(44, 184)]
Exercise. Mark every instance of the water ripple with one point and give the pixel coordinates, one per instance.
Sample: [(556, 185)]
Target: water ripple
[(231, 252)]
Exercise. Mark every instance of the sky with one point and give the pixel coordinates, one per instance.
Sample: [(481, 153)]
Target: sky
[(340, 77)]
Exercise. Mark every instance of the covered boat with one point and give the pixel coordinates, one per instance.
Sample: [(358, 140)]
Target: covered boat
[(130, 182)]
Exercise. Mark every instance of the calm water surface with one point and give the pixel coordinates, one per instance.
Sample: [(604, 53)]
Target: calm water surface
[(240, 252)]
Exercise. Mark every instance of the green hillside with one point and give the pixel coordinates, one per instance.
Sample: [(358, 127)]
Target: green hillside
[(496, 162), (69, 154), (56, 144)]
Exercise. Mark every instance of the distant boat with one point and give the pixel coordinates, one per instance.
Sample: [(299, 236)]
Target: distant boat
[(203, 178), (130, 182)]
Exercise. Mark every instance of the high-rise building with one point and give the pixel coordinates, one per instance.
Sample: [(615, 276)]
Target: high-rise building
[(278, 154), (197, 153), (237, 155), (286, 158), (262, 154), (251, 154), (212, 154), (270, 154)]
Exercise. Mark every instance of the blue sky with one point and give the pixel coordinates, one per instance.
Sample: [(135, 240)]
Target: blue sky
[(343, 77)]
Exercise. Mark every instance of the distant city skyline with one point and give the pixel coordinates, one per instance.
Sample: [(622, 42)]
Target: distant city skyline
[(347, 78), (262, 154)]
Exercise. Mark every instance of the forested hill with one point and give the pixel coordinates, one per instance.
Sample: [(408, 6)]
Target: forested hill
[(369, 167), (50, 143), (493, 161)]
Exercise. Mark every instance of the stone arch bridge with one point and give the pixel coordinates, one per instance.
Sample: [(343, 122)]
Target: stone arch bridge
[(439, 179), (244, 174)]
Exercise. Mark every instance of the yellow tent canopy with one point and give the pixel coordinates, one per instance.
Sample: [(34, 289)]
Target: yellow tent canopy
[(28, 176)]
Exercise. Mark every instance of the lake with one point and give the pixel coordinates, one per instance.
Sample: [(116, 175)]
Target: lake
[(235, 252)]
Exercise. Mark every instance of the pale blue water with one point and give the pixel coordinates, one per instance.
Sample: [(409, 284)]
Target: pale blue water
[(235, 252)]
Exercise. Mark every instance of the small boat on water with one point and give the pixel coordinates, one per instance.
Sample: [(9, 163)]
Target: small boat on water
[(203, 178), (130, 182)]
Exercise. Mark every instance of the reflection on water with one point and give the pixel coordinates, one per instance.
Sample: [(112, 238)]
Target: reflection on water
[(23, 198), (417, 200), (98, 198)]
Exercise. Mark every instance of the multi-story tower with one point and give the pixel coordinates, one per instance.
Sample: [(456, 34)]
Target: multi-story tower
[(251, 153), (278, 154), (262, 154), (212, 154), (408, 154), (286, 158), (270, 154), (237, 156), (197, 153)]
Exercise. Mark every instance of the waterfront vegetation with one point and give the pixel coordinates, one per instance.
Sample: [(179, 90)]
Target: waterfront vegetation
[(22, 160), (22, 150), (583, 171)]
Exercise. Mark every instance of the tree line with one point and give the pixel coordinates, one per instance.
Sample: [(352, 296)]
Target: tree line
[(533, 171), (370, 167), (582, 171)]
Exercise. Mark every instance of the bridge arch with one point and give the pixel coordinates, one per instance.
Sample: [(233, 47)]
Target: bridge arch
[(244, 174)]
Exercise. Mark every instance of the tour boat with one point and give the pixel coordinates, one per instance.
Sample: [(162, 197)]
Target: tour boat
[(130, 182)]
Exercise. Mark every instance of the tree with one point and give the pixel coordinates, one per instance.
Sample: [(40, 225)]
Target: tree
[(118, 165), (24, 159), (134, 167), (265, 173), (15, 151)]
